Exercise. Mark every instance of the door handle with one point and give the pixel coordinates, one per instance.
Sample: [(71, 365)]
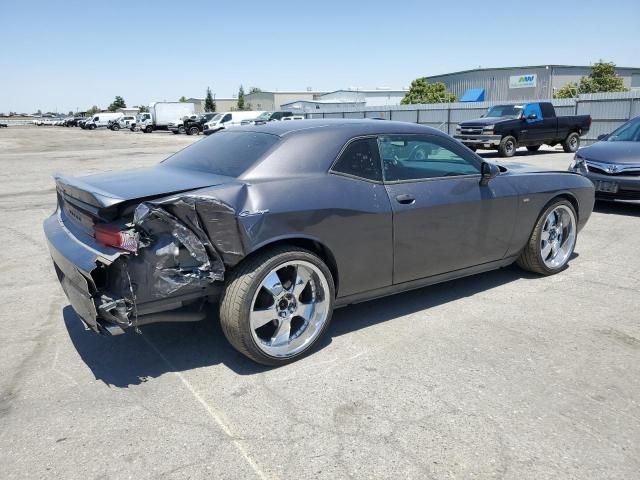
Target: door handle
[(406, 199)]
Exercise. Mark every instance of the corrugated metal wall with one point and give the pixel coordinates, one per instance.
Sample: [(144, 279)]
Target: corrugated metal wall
[(608, 111)]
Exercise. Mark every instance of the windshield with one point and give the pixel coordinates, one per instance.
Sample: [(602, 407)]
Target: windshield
[(225, 153), (511, 111), (264, 116), (216, 118), (629, 132)]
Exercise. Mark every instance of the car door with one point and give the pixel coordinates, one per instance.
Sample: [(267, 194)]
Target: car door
[(533, 130), (443, 218)]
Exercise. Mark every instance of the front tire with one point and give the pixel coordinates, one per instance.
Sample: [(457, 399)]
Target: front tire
[(571, 143), (508, 146), (277, 304), (193, 131), (552, 241)]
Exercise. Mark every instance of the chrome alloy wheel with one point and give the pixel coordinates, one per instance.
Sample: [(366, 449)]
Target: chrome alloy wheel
[(558, 236), (289, 309), (509, 147)]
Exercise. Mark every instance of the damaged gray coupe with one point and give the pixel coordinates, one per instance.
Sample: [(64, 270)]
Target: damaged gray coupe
[(276, 225)]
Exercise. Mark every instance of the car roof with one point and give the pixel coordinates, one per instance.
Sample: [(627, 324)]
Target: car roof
[(355, 126)]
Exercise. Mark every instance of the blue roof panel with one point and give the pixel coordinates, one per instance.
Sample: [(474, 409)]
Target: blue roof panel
[(473, 95)]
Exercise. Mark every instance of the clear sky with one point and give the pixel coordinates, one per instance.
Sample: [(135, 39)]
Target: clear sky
[(73, 54)]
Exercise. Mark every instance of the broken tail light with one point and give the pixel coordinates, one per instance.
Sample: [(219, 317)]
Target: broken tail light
[(114, 237)]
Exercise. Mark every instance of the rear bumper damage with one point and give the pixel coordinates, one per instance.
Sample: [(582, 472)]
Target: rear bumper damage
[(169, 278)]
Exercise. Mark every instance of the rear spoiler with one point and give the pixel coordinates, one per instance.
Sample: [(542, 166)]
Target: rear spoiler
[(79, 190)]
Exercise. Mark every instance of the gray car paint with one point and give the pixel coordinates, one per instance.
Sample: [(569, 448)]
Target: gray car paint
[(374, 245)]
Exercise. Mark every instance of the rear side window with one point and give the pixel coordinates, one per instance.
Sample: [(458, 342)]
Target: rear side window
[(225, 153), (547, 110), (361, 159)]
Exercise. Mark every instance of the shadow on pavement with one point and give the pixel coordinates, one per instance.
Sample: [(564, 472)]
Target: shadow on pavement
[(629, 208), (131, 359)]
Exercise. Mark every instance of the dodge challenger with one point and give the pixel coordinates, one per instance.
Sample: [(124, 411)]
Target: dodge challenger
[(276, 225)]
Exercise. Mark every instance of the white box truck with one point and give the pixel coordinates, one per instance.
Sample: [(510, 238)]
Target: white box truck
[(162, 113)]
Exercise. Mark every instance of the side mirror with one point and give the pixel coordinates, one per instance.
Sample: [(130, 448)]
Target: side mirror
[(603, 136), (487, 172)]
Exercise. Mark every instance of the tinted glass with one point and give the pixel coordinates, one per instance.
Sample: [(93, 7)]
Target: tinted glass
[(629, 132), (361, 159), (416, 158), (225, 153), (547, 110)]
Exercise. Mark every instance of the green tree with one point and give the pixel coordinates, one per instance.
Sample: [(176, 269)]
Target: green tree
[(143, 109), (209, 102), (117, 103), (70, 114), (602, 78), (182, 99), (255, 90), (422, 91), (94, 109), (241, 98)]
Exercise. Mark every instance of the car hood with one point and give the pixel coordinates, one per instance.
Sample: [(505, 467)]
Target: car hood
[(624, 153), (109, 189), (485, 121)]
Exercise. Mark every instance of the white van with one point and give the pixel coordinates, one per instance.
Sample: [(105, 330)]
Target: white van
[(229, 119), (102, 119)]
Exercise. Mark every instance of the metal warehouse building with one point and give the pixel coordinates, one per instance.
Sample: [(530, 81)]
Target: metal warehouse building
[(521, 83)]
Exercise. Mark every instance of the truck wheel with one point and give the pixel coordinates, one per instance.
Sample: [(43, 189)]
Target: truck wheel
[(193, 131), (508, 146), (277, 304), (533, 148), (571, 143), (115, 128), (149, 129), (180, 130)]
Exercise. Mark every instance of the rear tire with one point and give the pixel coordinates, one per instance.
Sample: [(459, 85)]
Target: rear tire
[(571, 143), (181, 130), (193, 131), (508, 146), (267, 324), (538, 255), (533, 148), (115, 128)]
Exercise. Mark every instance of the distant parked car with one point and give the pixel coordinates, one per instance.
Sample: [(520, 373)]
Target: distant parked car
[(507, 127), (122, 122), (229, 119), (193, 126), (613, 163), (294, 117), (102, 120), (4, 125), (268, 117), (177, 126)]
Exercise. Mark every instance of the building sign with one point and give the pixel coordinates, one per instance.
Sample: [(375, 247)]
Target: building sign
[(523, 81)]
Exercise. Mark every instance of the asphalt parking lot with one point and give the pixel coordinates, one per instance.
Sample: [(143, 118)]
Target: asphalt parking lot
[(502, 375)]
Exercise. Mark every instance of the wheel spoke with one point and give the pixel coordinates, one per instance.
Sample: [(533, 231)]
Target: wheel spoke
[(260, 318), (554, 249), (281, 336), (303, 276), (546, 250), (551, 219), (273, 284), (544, 236)]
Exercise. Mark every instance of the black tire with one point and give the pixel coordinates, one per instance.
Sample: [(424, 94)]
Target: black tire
[(92, 127), (571, 143), (149, 129), (181, 130), (508, 146), (193, 131), (240, 289), (115, 128), (533, 148), (530, 258)]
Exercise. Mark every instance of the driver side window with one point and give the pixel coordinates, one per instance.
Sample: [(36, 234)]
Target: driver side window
[(409, 157)]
